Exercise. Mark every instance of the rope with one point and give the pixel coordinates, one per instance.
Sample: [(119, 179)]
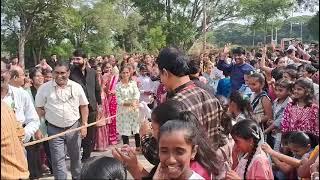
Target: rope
[(70, 130)]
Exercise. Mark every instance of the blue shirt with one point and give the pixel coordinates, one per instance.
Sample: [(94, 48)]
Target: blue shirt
[(237, 72), (224, 87)]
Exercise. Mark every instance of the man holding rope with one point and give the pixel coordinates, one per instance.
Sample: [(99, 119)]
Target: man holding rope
[(61, 101)]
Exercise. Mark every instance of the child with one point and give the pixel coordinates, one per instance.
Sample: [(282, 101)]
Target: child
[(300, 145), (245, 89), (301, 114), (179, 143), (290, 74), (260, 102), (282, 90), (239, 107), (102, 167), (224, 85), (254, 164)]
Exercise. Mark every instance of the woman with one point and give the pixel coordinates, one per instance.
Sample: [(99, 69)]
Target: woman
[(128, 95), (109, 81), (34, 164), (101, 141)]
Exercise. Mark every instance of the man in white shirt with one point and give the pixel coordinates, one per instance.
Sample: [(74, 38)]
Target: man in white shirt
[(63, 102), (20, 102)]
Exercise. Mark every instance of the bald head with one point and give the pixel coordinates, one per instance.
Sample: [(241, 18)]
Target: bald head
[(17, 76)]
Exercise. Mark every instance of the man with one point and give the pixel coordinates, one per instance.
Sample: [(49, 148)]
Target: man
[(113, 62), (13, 161), (19, 101), (237, 68), (17, 76), (53, 61), (88, 80), (61, 101)]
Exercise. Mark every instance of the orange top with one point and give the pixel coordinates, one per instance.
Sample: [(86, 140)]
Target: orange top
[(13, 160)]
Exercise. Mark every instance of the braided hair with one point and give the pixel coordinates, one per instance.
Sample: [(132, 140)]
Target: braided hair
[(247, 129)]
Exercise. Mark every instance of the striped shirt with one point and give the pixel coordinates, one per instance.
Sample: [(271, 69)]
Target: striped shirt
[(13, 160), (205, 107)]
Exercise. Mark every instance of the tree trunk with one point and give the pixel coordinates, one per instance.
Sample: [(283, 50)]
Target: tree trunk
[(21, 45), (34, 55)]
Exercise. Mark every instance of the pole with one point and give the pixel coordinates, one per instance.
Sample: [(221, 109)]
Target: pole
[(254, 34), (204, 25), (276, 38), (301, 30)]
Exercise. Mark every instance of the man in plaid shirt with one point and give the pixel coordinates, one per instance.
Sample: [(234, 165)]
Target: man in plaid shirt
[(173, 66)]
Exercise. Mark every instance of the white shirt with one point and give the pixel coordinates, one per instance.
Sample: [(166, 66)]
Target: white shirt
[(22, 104), (61, 105), (145, 85), (195, 176)]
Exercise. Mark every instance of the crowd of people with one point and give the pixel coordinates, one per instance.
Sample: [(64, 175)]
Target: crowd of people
[(228, 114)]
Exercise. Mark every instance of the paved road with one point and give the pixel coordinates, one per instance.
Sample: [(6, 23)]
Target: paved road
[(108, 153)]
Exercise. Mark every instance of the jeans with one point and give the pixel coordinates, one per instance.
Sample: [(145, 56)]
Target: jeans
[(57, 150)]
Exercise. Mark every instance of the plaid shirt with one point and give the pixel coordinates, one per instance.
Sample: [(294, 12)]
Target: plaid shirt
[(204, 106)]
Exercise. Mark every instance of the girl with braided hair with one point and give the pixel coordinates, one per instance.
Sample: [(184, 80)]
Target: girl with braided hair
[(254, 164)]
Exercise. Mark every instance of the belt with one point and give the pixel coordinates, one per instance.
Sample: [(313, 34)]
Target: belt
[(64, 128)]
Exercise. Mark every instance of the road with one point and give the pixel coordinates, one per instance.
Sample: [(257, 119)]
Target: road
[(141, 159)]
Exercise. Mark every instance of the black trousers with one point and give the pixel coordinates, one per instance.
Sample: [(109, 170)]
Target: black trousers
[(88, 142), (125, 139), (34, 163), (47, 151)]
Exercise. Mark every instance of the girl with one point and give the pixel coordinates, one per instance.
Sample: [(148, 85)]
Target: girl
[(182, 141), (102, 167), (128, 96), (282, 90), (254, 164), (290, 74), (260, 102), (239, 107), (301, 114)]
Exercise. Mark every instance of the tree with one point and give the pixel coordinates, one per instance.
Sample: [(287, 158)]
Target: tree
[(313, 25), (182, 20), (19, 17), (261, 12)]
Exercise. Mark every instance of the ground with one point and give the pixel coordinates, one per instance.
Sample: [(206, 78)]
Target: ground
[(108, 153)]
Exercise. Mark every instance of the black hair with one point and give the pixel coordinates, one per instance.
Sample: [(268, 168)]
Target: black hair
[(259, 76), (277, 60), (292, 66), (226, 73), (104, 64), (277, 73), (195, 136), (46, 71), (238, 50), (307, 85), (292, 73), (243, 103), (247, 129), (299, 138), (253, 62), (194, 66), (174, 61), (103, 167), (160, 114), (63, 63), (226, 123), (33, 72), (289, 51), (79, 53), (285, 83), (310, 69)]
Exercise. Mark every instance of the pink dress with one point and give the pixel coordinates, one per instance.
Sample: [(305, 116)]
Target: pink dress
[(112, 103), (101, 138), (259, 167), (303, 119)]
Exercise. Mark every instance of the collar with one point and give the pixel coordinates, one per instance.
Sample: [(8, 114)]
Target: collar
[(55, 84), (180, 88)]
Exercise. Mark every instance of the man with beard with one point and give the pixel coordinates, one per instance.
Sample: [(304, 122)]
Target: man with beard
[(237, 68), (88, 79)]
